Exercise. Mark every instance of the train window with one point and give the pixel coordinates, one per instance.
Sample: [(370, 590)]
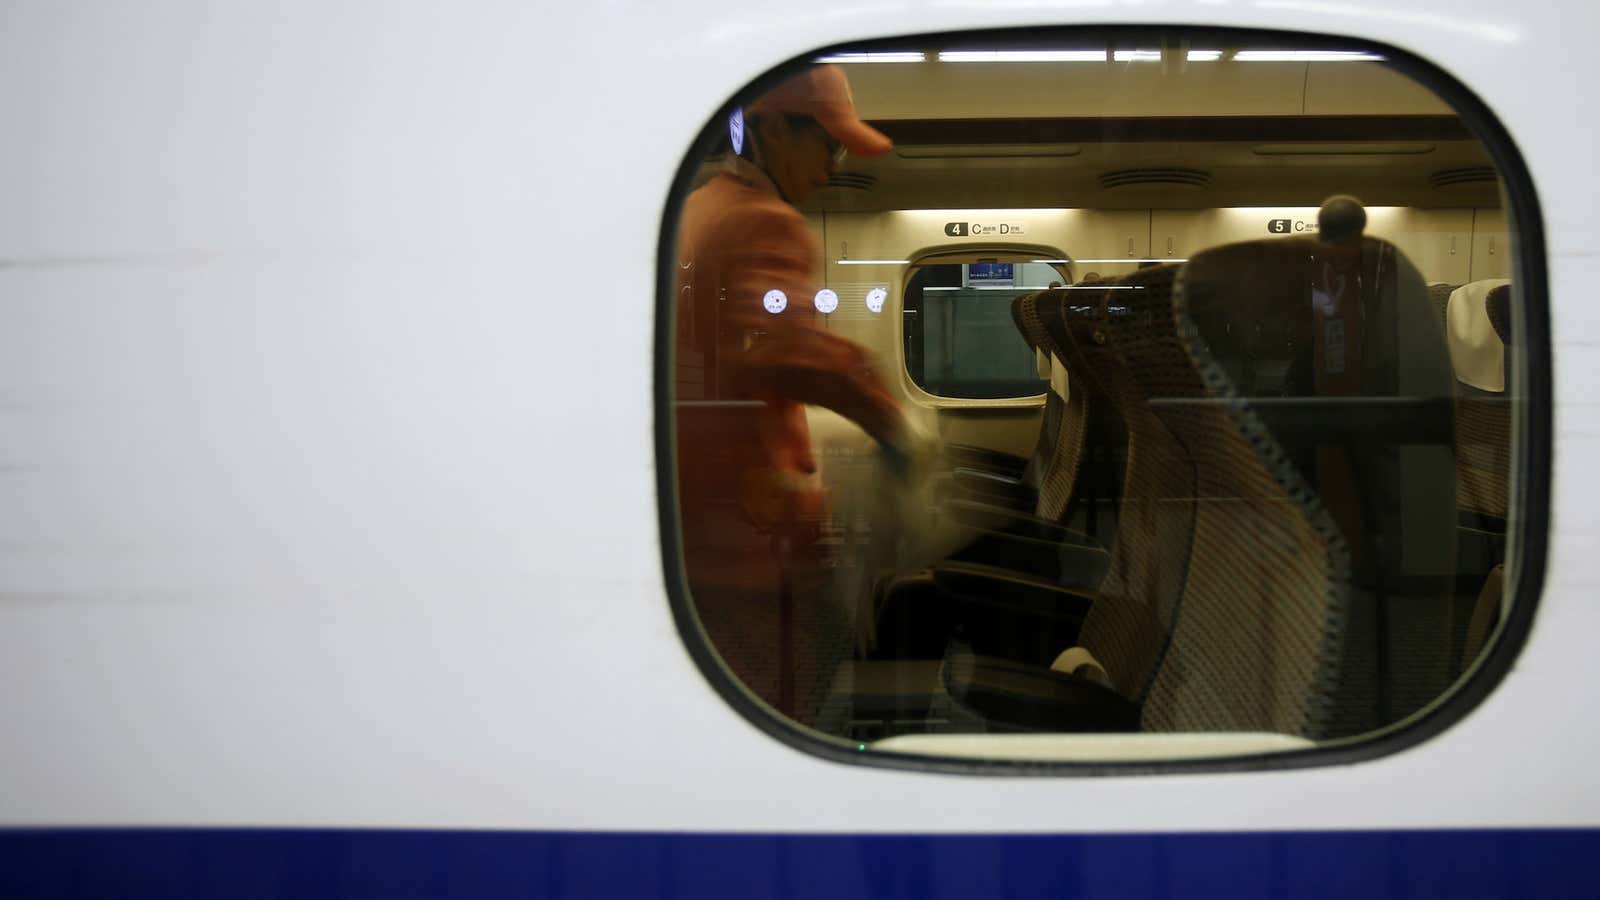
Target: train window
[(960, 337), (1113, 398)]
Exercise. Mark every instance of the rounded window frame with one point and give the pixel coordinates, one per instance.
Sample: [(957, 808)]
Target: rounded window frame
[(946, 255), (1532, 445)]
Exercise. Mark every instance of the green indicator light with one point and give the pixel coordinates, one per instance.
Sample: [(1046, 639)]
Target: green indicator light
[(861, 746)]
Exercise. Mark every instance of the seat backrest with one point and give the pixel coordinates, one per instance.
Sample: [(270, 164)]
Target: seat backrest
[(1059, 476), (1478, 323), (1269, 569), (1439, 295), (1313, 602), (1024, 312), (1126, 630)]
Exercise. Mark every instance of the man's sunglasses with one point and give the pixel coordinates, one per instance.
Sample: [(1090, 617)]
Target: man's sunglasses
[(836, 150)]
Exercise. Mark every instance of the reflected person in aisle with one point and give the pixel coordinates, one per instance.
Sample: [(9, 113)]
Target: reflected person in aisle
[(752, 352), (747, 329)]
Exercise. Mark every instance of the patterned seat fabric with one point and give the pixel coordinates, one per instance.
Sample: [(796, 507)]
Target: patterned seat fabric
[(1318, 597), (1284, 563), (1024, 313), (1127, 628), (1058, 483), (1483, 471), (1439, 296), (1483, 419)]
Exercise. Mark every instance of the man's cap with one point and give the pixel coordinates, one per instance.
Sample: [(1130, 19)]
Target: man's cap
[(822, 93)]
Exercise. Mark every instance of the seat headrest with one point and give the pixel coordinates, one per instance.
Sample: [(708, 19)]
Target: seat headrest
[(1498, 306), (1025, 313), (1059, 381), (1477, 350)]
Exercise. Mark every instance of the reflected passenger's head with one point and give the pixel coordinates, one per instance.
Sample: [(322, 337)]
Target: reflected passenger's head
[(804, 126)]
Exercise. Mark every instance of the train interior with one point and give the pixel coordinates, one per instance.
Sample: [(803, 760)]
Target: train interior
[(1210, 352)]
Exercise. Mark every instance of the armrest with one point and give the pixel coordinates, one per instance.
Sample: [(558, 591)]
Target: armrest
[(1007, 592), (999, 612), (1019, 697), (988, 517), (985, 487), (985, 479), (1029, 545), (1061, 565), (984, 458)]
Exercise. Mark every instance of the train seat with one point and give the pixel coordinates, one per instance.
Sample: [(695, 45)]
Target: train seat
[(1025, 533), (1478, 327), (1312, 600), (1439, 293), (994, 478), (1124, 622), (1024, 582), (1153, 487), (1477, 344)]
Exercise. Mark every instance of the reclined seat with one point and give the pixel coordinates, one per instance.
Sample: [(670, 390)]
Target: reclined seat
[(1029, 618), (1479, 330), (1338, 347), (991, 477), (1439, 293), (1027, 538), (1294, 615)]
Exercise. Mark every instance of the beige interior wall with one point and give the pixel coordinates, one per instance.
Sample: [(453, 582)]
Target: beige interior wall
[(1439, 242), (1446, 245), (932, 90), (1491, 245), (1008, 426)]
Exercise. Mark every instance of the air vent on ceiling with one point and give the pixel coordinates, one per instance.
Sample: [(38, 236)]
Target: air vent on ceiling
[(852, 181), (1464, 175), (1134, 178)]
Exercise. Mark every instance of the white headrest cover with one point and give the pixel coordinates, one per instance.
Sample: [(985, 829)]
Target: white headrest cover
[(1041, 362), (1476, 351)]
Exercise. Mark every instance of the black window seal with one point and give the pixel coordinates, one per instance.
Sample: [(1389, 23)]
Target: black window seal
[(1531, 481)]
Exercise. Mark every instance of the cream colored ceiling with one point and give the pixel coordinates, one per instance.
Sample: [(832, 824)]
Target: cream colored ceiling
[(1170, 88), (1239, 177)]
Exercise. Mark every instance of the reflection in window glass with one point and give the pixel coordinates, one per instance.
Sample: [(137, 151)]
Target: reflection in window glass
[(1230, 470), (960, 337)]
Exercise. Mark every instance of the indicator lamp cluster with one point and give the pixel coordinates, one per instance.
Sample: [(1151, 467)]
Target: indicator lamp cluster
[(826, 301)]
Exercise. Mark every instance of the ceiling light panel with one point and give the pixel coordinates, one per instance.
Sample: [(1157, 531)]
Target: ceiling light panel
[(896, 57), (1021, 56)]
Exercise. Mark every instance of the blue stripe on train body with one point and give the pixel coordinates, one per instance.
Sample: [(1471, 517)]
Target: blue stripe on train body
[(248, 863)]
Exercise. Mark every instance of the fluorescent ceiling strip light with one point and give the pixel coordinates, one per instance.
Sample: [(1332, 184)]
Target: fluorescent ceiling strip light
[(1125, 259), (987, 287), (994, 56), (1137, 56), (1303, 56), (1203, 55), (872, 262), (1067, 287), (895, 57)]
